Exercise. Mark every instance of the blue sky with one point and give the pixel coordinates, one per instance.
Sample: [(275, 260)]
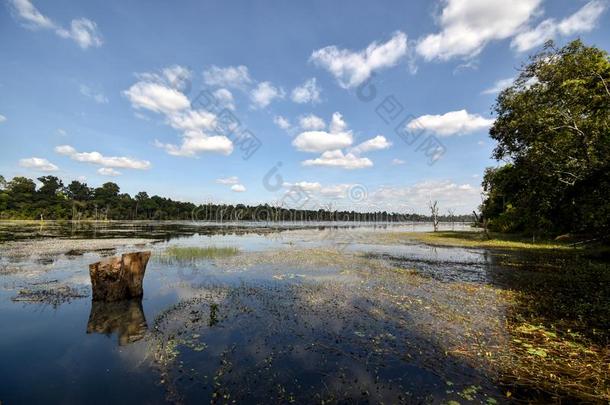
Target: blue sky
[(104, 91)]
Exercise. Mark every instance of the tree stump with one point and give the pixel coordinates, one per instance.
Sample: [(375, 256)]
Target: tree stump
[(119, 278)]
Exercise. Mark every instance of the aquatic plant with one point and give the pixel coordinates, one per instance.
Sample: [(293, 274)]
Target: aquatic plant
[(194, 253)]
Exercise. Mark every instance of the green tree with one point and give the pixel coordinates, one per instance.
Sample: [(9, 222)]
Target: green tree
[(553, 128)]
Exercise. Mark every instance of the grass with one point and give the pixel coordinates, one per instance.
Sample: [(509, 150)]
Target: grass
[(199, 253), (479, 239)]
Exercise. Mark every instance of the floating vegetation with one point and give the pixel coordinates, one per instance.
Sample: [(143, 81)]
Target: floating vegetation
[(473, 239), (194, 253), (50, 293)]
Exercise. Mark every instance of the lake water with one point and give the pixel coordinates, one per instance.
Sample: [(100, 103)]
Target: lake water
[(304, 313)]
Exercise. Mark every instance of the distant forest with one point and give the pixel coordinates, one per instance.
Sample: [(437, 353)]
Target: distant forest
[(21, 199)]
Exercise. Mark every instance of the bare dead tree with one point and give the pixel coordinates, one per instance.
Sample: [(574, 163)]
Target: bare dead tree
[(434, 211)]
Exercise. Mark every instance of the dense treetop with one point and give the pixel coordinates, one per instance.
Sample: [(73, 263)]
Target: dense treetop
[(553, 134)]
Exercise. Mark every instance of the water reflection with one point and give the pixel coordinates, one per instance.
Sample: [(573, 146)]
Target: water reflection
[(125, 318)]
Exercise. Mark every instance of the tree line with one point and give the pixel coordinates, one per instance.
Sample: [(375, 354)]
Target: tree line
[(21, 199), (553, 139)]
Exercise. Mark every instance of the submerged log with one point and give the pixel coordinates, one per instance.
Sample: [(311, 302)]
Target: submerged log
[(119, 278)]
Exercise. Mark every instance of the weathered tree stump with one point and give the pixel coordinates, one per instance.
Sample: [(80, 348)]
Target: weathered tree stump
[(119, 278)]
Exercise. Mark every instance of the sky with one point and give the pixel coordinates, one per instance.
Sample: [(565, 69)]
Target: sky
[(359, 105)]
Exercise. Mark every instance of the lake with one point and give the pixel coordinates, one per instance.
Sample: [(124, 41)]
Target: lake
[(282, 313)]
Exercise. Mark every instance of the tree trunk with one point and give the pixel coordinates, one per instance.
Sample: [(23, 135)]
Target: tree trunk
[(119, 278)]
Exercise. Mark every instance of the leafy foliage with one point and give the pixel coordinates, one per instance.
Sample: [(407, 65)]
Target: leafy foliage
[(19, 199), (553, 130)]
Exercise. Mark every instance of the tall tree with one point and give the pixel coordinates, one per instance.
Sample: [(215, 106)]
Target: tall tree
[(553, 128)]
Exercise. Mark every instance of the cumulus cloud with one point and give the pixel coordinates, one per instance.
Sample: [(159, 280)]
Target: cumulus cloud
[(336, 190), (308, 92), (264, 93), (156, 97), (108, 171), (499, 86), (352, 68), (451, 195), (193, 120), (36, 163), (319, 141), (199, 128), (228, 180), (331, 142), (584, 20), (377, 143), (305, 185), (238, 188), (281, 122), (336, 158), (230, 76), (96, 96), (468, 25), (81, 30), (225, 98), (194, 142), (397, 162), (105, 161), (451, 123), (2, 118), (311, 122)]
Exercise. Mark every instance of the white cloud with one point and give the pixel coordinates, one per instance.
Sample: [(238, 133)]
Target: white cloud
[(82, 30), (61, 132), (38, 164), (499, 86), (199, 129), (397, 162), (308, 92), (468, 25), (195, 142), (156, 97), (319, 141), (263, 94), (311, 122), (230, 76), (177, 77), (225, 98), (281, 122), (336, 191), (353, 68), (377, 143), (2, 118), (462, 197), (108, 171), (193, 120), (305, 185), (96, 96), (30, 16), (584, 20), (238, 188), (336, 158), (106, 161), (228, 180), (451, 123)]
